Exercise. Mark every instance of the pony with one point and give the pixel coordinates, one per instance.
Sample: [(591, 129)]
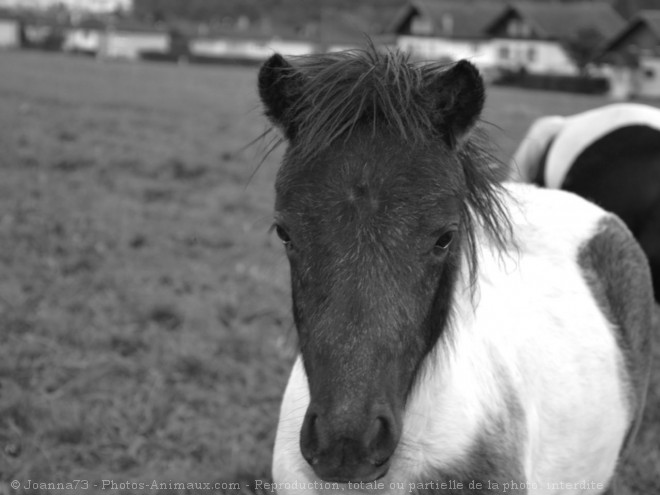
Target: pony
[(609, 155), (456, 334)]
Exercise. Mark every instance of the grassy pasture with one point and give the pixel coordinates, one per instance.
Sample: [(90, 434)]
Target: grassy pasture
[(144, 311)]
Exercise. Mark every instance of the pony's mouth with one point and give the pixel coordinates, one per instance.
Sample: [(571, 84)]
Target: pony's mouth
[(378, 473)]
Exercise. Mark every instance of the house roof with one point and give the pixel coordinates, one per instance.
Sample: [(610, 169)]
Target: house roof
[(469, 18), (652, 20), (563, 20), (8, 15), (644, 18)]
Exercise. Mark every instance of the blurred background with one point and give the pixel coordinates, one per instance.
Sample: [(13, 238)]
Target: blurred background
[(144, 305)]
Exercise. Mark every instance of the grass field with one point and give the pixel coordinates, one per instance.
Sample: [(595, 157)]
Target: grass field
[(144, 307)]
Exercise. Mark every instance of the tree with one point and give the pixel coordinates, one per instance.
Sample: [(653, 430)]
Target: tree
[(584, 45)]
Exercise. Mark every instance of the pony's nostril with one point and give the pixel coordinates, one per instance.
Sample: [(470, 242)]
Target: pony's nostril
[(381, 436), (309, 438)]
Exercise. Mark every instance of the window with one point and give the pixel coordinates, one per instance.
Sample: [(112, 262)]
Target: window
[(518, 28), (504, 52), (531, 54)]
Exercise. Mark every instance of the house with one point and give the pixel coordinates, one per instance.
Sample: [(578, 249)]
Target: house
[(254, 43), (10, 30), (126, 40), (85, 37), (95, 6), (248, 45), (535, 37), (446, 30), (91, 6), (632, 57)]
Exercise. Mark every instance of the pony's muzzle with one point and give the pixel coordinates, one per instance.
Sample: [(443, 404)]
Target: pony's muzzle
[(341, 448)]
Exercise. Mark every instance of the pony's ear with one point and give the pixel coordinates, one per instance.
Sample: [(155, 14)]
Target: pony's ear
[(458, 96), (280, 87)]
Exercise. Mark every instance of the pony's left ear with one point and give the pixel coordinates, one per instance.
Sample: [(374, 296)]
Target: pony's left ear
[(458, 96), (280, 87)]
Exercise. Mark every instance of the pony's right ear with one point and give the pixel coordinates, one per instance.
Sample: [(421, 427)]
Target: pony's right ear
[(280, 87)]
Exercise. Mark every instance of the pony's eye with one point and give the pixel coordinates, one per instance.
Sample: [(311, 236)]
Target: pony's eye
[(444, 241), (283, 235)]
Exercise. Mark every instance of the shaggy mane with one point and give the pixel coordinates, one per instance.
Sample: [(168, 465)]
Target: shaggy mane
[(344, 89)]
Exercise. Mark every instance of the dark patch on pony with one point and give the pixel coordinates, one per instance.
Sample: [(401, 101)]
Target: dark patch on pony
[(617, 273), (621, 173), (319, 100)]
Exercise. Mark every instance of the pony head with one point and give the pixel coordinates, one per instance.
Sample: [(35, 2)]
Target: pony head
[(378, 200)]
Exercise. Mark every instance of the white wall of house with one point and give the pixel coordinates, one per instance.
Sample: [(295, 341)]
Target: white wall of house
[(95, 6), (129, 45), (9, 33), (290, 47), (230, 48), (340, 47), (249, 49), (536, 56), (621, 81), (98, 6), (648, 77), (628, 82), (430, 48)]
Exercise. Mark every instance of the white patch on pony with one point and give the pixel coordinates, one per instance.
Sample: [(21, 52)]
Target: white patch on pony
[(535, 319), (289, 466), (582, 129), (543, 320), (527, 160)]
